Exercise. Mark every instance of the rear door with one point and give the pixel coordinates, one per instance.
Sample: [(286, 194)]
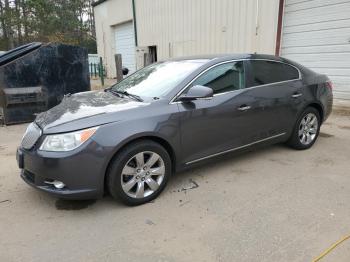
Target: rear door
[(277, 91)]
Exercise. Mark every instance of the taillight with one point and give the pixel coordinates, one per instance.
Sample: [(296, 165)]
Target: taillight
[(329, 84)]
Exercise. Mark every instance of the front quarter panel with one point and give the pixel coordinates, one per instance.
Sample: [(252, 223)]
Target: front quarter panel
[(160, 122)]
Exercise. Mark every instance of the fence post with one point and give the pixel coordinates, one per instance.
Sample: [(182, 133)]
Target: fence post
[(101, 72), (118, 67)]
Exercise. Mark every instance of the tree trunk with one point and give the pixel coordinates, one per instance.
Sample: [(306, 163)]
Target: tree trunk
[(3, 22), (25, 20), (10, 43), (18, 22)]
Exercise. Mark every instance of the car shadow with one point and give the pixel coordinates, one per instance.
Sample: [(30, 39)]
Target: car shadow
[(180, 182), (62, 204)]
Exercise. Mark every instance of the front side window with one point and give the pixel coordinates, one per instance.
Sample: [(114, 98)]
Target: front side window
[(158, 79), (267, 72), (223, 78)]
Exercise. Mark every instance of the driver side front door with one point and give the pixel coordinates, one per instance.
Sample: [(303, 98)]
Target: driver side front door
[(212, 126)]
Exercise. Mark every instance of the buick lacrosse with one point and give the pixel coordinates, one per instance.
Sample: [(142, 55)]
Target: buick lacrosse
[(128, 139)]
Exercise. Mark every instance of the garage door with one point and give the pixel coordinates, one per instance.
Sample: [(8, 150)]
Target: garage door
[(125, 44), (316, 33)]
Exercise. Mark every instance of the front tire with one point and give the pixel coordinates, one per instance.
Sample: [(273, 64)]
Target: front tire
[(139, 172), (306, 129)]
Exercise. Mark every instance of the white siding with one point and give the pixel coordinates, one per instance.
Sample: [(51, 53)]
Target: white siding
[(316, 33), (193, 27), (125, 44), (108, 15), (190, 27)]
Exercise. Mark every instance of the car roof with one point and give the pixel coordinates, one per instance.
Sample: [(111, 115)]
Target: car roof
[(224, 57)]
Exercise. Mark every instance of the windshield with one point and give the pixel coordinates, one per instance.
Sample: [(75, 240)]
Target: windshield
[(158, 79)]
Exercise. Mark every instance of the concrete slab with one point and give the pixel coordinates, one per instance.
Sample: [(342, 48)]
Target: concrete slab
[(273, 204)]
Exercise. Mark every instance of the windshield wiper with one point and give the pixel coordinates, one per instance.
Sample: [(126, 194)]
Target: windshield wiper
[(113, 92), (124, 93), (138, 98)]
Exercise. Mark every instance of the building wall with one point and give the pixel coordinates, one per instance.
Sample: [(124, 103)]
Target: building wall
[(107, 15), (192, 27), (317, 34)]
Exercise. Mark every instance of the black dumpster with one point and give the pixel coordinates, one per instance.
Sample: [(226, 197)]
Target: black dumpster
[(35, 77)]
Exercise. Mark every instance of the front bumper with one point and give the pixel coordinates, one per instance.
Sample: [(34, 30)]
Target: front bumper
[(82, 171)]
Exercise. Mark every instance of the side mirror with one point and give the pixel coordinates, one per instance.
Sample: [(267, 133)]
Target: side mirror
[(125, 71), (197, 92)]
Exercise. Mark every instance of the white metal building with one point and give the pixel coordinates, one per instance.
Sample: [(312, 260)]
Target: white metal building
[(315, 33)]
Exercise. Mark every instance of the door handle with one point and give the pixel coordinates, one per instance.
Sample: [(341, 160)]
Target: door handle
[(297, 95), (243, 108)]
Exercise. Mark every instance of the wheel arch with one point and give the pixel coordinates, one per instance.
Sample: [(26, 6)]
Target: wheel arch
[(315, 105), (160, 140), (318, 107)]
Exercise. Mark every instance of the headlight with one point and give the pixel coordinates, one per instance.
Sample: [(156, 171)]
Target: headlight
[(67, 141)]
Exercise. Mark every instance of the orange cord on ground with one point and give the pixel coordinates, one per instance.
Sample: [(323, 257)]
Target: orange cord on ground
[(331, 248)]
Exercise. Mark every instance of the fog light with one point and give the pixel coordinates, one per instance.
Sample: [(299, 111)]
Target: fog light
[(57, 184)]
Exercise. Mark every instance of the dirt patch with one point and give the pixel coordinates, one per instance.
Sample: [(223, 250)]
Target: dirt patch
[(344, 127), (191, 185), (343, 111), (325, 135), (323, 161), (97, 85), (281, 161)]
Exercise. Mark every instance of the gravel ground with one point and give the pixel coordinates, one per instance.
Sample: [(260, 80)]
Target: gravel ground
[(273, 204)]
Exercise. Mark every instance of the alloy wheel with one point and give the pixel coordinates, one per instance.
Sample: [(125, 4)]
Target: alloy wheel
[(308, 129), (143, 174)]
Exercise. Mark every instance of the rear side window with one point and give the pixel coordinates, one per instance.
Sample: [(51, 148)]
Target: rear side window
[(223, 78), (266, 72)]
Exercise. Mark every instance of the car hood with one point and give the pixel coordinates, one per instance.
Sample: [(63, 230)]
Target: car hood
[(83, 110)]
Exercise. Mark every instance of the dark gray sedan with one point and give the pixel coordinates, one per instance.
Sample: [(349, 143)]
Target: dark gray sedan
[(130, 138)]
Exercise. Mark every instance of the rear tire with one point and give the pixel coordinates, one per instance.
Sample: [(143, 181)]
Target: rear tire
[(306, 129), (139, 172)]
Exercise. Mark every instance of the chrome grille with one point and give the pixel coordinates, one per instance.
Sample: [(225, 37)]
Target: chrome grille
[(31, 135)]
